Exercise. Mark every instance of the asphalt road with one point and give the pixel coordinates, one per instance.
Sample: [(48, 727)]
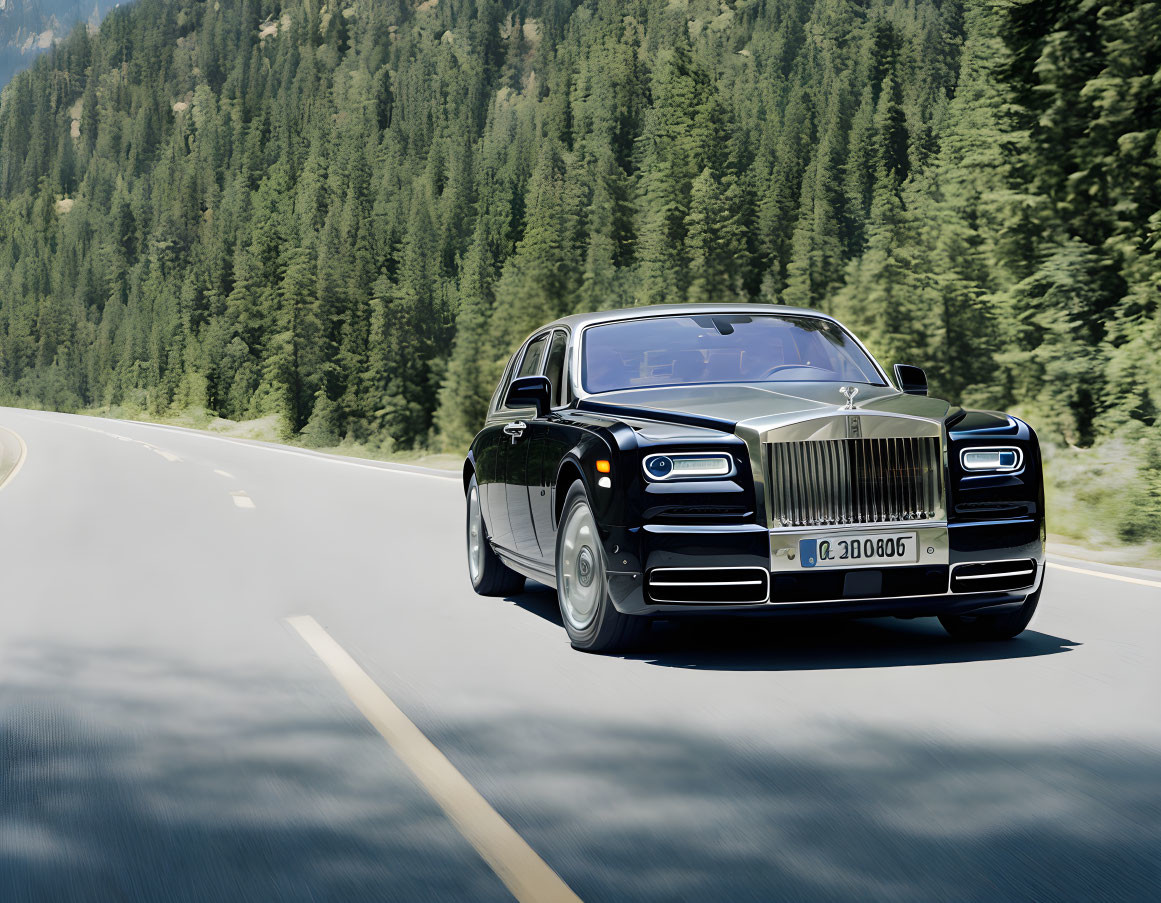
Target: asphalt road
[(166, 733)]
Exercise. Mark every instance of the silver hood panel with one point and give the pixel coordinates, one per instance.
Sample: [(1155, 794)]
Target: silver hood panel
[(764, 406)]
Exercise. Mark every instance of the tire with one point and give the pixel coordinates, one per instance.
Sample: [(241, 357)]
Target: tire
[(582, 585), (1003, 626), (489, 575)]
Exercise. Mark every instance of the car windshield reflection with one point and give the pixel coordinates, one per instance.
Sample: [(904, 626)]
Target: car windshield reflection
[(720, 348)]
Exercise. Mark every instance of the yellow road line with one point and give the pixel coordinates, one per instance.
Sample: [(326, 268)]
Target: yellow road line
[(525, 874), (1123, 579), (8, 477), (242, 500)]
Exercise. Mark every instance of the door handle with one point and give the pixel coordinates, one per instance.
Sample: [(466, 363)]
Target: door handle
[(515, 429)]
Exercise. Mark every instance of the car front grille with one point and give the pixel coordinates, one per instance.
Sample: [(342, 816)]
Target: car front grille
[(856, 481)]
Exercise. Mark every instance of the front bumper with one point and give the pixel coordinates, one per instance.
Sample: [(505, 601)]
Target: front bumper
[(903, 591)]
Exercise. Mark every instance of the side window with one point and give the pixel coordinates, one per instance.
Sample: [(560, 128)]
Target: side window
[(555, 369), (502, 388), (533, 356), (530, 364)]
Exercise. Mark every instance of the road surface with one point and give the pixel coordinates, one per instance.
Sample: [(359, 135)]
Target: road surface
[(178, 720)]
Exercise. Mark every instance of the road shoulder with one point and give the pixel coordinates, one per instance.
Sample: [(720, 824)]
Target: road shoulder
[(12, 454)]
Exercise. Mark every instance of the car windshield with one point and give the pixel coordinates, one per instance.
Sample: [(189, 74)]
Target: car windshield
[(721, 348)]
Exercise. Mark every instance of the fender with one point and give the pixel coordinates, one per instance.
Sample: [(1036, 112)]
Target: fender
[(469, 468)]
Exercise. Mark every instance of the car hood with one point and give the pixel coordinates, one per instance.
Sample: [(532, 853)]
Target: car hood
[(725, 405)]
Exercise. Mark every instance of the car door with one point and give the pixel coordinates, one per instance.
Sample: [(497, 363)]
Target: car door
[(515, 445), (491, 464), (550, 441)]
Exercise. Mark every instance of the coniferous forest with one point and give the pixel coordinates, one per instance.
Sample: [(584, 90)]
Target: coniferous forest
[(349, 213)]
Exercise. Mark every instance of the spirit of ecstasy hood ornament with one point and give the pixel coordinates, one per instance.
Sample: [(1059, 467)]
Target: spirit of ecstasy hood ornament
[(849, 393)]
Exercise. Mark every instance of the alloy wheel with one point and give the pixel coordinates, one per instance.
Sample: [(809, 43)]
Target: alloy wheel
[(582, 579)]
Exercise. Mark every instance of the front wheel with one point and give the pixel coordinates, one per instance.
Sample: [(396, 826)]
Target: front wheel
[(582, 584), (1003, 626), (489, 575)]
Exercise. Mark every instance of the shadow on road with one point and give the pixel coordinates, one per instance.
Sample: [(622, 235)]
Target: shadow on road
[(285, 794), (800, 644), (860, 815), (129, 776)]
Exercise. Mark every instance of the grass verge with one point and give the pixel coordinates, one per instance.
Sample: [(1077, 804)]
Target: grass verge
[(270, 429)]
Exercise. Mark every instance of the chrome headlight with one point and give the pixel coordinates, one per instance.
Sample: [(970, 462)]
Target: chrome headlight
[(687, 466), (993, 460)]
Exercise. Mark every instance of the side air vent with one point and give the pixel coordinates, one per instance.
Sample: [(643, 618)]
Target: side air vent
[(993, 576), (707, 586)]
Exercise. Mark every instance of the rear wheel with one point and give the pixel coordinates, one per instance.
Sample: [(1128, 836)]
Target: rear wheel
[(1003, 626), (582, 584), (489, 575)]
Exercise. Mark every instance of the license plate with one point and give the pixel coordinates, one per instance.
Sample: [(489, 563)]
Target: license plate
[(858, 550)]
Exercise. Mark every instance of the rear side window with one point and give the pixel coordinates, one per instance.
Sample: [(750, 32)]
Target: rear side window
[(502, 388), (530, 364), (533, 356)]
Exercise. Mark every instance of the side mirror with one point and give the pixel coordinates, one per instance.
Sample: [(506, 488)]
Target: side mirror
[(912, 380), (530, 392)]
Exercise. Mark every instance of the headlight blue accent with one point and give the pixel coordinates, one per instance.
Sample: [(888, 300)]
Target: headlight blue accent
[(659, 466)]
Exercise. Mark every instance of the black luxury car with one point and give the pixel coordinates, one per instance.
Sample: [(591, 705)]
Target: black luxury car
[(668, 461)]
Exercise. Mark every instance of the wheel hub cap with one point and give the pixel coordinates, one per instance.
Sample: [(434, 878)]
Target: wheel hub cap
[(584, 567)]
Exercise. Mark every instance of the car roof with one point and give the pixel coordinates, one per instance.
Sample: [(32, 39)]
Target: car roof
[(579, 321)]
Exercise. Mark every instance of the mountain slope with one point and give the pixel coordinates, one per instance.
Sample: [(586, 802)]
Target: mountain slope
[(283, 207), (347, 214)]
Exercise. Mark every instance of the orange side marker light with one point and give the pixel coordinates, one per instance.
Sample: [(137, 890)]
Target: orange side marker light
[(604, 467)]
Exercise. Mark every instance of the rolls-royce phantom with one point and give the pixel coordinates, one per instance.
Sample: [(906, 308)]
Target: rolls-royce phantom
[(664, 462)]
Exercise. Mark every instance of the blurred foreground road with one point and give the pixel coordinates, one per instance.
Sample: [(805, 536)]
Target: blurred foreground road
[(165, 733)]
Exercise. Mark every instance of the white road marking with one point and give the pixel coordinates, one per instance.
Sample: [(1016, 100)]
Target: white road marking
[(1107, 576), (385, 466), (330, 460), (525, 874), (242, 500), (382, 467), (167, 455), (8, 478), (222, 473)]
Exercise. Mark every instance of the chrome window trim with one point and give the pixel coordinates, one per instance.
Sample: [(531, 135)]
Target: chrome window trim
[(992, 448), (566, 396)]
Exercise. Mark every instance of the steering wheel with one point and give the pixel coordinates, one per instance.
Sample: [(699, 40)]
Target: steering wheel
[(776, 369)]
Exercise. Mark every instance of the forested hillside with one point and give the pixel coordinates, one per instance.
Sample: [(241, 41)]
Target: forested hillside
[(349, 213)]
